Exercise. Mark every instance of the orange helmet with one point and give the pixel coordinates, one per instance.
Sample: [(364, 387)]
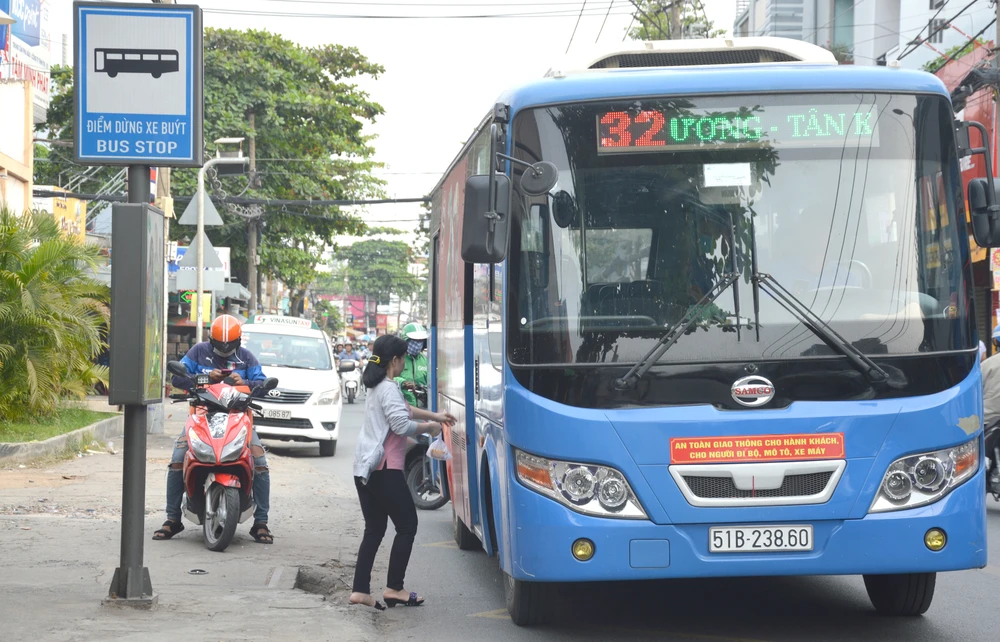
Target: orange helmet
[(225, 335)]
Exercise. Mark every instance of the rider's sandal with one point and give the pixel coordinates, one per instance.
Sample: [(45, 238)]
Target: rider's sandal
[(413, 601), (261, 534), (168, 530)]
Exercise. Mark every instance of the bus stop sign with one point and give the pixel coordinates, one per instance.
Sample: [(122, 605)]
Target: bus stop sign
[(138, 79)]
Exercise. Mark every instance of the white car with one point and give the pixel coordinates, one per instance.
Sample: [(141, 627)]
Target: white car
[(307, 403)]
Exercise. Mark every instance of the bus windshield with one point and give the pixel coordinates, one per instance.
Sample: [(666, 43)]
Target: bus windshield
[(852, 202)]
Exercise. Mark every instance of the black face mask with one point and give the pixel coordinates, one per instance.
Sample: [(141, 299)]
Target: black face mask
[(225, 349)]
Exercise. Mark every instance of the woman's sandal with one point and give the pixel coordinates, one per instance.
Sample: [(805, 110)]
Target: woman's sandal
[(413, 601), (261, 534), (168, 530)]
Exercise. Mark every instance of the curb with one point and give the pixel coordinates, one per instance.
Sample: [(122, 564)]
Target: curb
[(23, 451)]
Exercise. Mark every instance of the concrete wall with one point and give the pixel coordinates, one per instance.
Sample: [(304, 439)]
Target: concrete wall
[(876, 26), (16, 147)]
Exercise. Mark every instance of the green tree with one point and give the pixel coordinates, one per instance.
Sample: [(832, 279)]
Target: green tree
[(328, 316), (654, 20), (51, 316), (308, 116), (379, 269)]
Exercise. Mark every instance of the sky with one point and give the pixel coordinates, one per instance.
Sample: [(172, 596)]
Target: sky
[(442, 74)]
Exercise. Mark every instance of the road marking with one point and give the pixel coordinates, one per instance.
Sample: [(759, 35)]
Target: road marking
[(499, 614), (274, 577), (445, 544)]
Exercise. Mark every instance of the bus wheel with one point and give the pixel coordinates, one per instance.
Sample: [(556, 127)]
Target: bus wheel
[(528, 603), (466, 539), (905, 594)]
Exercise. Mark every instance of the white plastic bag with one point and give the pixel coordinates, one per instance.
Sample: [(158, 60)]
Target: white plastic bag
[(439, 450)]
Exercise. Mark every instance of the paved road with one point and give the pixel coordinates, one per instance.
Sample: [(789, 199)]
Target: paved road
[(465, 596)]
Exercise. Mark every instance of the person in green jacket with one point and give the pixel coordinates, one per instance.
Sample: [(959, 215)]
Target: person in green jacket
[(415, 365)]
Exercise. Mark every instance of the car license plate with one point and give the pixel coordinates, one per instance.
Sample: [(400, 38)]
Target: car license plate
[(277, 414), (750, 539)]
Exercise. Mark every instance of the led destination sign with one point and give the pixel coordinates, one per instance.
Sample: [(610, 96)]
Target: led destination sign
[(773, 126)]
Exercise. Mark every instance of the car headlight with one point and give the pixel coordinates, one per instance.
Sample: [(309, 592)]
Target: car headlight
[(924, 478), (233, 449), (328, 398), (202, 451), (585, 488)]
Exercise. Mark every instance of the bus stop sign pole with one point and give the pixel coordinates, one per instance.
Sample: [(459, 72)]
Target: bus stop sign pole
[(131, 584), (138, 103)]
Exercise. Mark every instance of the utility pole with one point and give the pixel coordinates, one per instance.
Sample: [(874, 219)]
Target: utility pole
[(675, 20), (252, 223)]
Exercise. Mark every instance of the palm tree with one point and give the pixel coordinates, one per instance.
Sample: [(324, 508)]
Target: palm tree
[(51, 315)]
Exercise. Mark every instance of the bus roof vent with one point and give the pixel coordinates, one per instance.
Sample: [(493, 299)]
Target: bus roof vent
[(688, 53)]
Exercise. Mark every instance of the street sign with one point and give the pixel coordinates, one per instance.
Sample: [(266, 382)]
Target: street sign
[(187, 273), (190, 215), (138, 79), (136, 305)]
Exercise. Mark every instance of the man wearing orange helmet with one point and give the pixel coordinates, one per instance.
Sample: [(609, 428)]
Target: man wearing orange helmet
[(222, 358)]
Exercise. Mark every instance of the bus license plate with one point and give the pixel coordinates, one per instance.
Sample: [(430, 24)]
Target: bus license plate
[(750, 539), (277, 414)]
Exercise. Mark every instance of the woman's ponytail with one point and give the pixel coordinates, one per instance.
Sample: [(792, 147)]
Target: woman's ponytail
[(386, 348)]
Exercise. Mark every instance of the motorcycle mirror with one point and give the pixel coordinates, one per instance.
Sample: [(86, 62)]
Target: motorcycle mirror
[(178, 368), (269, 384)]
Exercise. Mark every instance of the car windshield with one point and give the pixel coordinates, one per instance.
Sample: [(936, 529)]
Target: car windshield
[(850, 201), (288, 351)]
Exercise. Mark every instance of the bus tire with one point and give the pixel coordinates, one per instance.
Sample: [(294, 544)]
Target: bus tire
[(466, 539), (904, 594), (528, 603)]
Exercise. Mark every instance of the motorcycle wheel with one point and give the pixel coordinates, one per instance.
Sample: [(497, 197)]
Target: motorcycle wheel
[(350, 397), (219, 528), (423, 498)]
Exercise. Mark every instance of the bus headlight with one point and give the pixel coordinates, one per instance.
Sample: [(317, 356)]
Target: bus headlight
[(924, 478), (586, 488)]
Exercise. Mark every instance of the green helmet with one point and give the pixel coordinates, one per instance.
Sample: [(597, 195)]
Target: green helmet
[(413, 331)]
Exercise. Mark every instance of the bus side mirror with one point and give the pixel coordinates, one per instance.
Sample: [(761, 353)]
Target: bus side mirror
[(485, 225), (983, 210), (984, 213)]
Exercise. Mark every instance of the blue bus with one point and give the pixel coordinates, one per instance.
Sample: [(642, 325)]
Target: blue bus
[(705, 309)]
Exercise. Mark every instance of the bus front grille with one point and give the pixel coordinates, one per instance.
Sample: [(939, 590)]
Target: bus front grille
[(785, 483), (792, 486)]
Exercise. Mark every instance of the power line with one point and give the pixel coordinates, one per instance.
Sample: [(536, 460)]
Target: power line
[(601, 30), (573, 35), (240, 200), (369, 3), (935, 31), (346, 16)]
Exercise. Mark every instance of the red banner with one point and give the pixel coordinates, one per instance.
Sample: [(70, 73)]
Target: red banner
[(709, 450)]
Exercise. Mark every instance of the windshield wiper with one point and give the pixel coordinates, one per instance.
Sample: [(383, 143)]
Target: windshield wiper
[(286, 365), (871, 370), (673, 333)]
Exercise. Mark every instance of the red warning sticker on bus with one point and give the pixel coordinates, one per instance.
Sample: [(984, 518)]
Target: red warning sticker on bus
[(710, 450)]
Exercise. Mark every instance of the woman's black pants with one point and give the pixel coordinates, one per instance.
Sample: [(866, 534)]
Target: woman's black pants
[(385, 496)]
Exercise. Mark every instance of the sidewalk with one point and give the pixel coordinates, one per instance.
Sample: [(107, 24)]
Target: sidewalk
[(60, 530)]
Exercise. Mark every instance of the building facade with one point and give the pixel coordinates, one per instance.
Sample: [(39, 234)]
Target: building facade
[(865, 32)]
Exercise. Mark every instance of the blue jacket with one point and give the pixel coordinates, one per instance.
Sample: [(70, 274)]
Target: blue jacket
[(201, 358)]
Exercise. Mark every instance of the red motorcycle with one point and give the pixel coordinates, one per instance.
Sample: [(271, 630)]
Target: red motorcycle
[(218, 468)]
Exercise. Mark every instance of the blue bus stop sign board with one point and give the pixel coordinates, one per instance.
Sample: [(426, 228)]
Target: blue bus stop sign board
[(139, 84)]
